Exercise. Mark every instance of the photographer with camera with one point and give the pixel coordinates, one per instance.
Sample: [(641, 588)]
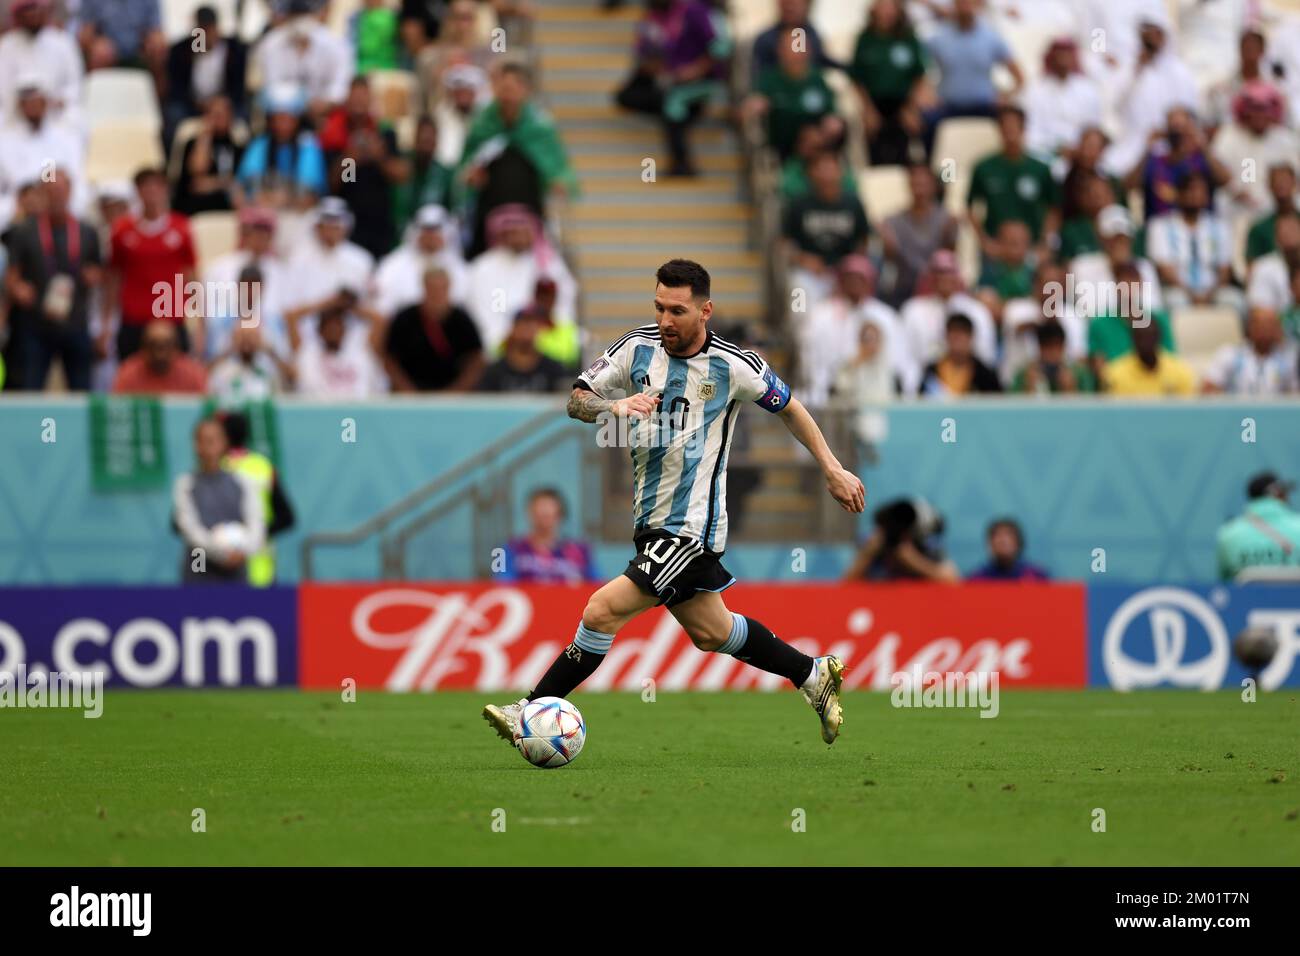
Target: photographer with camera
[(905, 544)]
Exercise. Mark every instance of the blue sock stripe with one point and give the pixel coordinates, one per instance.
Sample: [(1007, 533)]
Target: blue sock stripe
[(739, 634), (593, 642)]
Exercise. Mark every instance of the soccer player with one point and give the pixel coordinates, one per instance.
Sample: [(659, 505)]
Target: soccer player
[(673, 389)]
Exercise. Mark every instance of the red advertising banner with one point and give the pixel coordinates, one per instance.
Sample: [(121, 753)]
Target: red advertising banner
[(423, 637)]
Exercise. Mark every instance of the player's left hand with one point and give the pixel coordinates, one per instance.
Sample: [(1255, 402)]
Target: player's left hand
[(846, 488)]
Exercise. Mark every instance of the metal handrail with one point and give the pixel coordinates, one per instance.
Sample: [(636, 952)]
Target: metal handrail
[(380, 522)]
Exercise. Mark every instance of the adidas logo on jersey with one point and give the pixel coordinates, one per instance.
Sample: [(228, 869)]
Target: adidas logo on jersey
[(644, 567)]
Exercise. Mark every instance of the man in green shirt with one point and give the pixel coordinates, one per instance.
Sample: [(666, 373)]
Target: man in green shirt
[(1266, 534), (1013, 185), (1282, 184), (1110, 332), (793, 94)]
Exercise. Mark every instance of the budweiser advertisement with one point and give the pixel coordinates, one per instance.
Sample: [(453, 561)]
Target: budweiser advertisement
[(408, 637)]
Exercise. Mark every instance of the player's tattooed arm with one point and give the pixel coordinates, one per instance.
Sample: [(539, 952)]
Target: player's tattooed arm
[(587, 406)]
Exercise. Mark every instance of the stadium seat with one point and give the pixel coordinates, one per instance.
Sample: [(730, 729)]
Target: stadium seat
[(884, 192), (119, 94), (393, 93), (118, 149), (1201, 330), (340, 15), (751, 18), (964, 140), (215, 234), (185, 132)]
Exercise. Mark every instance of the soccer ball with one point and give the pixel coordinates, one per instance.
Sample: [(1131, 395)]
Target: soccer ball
[(551, 732), (230, 536), (1255, 647)]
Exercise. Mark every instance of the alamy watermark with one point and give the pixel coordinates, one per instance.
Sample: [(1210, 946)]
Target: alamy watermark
[(974, 689), (75, 690)]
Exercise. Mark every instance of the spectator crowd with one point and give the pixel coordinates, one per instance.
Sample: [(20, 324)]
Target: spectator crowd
[(339, 207)]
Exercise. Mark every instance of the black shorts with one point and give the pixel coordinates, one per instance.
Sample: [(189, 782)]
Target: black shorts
[(675, 569)]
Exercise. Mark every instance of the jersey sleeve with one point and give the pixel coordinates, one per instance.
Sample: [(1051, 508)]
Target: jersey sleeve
[(757, 383), (607, 376)]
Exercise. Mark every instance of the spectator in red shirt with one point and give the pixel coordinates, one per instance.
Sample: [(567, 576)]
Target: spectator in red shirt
[(159, 367), (151, 252)]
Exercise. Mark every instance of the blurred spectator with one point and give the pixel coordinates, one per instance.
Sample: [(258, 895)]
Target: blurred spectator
[(1251, 68), (1052, 373), (1270, 284), (334, 263), (122, 33), (810, 142), (258, 470), (1192, 250), (906, 543), (202, 66), (925, 317), (676, 72), (1009, 272), (1148, 371), (32, 144), (521, 367), (1177, 152), (1012, 185), (887, 68), (1086, 194), (1095, 274), (958, 372), (1157, 83), (1291, 317), (503, 279), (466, 92), (1205, 32), (209, 161), (284, 166), (1253, 143), (458, 43), (430, 241), (363, 167), (112, 201), (254, 271), (1109, 335), (513, 153), (822, 228), (421, 22), (911, 237), (542, 556), (1265, 364), (966, 49), (422, 179), (866, 382), (1062, 103), (1260, 241), (151, 250), (1266, 534), (42, 55), (1049, 302), (217, 514), (304, 54), (830, 336), (376, 35), (794, 94), (54, 262), (790, 14), (339, 358), (159, 367), (1006, 544), (249, 371), (433, 345)]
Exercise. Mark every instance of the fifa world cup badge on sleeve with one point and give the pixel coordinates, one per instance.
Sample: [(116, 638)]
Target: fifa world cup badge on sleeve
[(777, 395), (596, 368)]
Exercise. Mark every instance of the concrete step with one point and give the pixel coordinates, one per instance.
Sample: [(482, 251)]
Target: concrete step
[(586, 12), (620, 260), (665, 188), (735, 235), (622, 162), (645, 137), (685, 213)]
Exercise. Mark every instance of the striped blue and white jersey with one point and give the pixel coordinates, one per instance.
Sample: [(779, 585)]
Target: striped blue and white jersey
[(680, 455)]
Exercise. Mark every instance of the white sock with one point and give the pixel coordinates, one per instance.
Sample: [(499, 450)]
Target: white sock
[(811, 683)]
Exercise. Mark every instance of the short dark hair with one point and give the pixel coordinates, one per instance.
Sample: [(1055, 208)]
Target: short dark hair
[(1010, 109), (515, 68), (147, 173), (676, 273), (1051, 332), (550, 492), (236, 426), (960, 321)]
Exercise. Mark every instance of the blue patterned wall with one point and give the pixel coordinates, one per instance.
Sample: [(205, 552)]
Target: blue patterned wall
[(1150, 483)]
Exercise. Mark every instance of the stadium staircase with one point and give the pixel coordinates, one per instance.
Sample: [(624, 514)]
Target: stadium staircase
[(623, 227)]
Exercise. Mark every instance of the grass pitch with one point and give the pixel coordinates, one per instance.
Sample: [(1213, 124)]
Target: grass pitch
[(301, 778)]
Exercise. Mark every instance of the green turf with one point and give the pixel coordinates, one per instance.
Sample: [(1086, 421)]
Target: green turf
[(296, 778)]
